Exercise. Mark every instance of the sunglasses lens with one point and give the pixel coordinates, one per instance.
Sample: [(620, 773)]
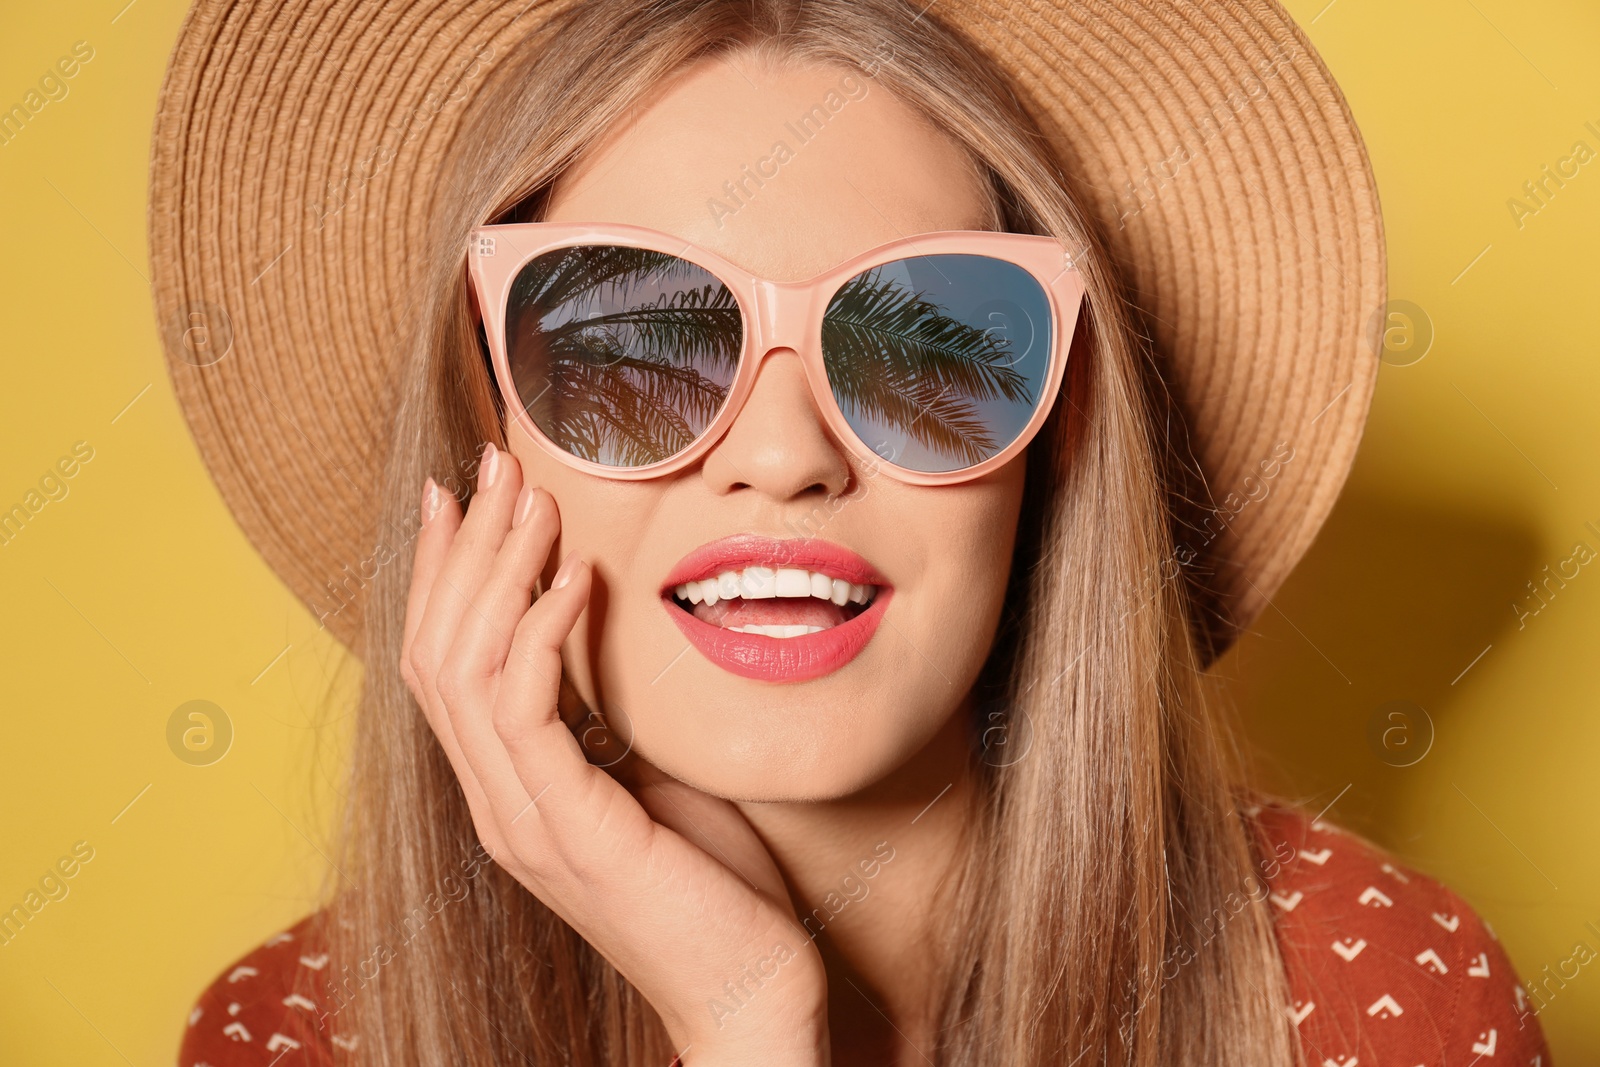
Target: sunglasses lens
[(621, 356), (938, 362)]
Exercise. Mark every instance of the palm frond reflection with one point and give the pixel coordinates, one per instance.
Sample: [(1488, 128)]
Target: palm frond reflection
[(904, 363), (624, 356)]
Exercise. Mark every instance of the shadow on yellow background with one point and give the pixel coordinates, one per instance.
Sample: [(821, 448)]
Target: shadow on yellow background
[(130, 592)]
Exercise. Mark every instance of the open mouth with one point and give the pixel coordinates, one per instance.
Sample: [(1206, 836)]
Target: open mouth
[(781, 602), (776, 610)]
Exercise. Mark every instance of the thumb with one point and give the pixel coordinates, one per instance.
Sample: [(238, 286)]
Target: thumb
[(713, 825)]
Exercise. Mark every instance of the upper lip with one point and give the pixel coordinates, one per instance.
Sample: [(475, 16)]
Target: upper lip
[(753, 550)]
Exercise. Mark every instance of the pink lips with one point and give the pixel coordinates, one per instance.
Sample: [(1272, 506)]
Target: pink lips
[(773, 659)]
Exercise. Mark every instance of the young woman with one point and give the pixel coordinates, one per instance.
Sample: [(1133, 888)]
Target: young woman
[(813, 675)]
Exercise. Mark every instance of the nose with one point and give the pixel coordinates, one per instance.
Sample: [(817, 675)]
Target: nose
[(778, 444)]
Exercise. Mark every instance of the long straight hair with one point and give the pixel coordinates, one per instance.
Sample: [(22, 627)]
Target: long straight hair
[(1081, 917)]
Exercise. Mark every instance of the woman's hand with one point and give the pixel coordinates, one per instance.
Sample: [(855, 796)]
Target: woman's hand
[(672, 886)]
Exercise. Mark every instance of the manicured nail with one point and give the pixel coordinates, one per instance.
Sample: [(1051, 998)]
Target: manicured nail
[(430, 500), (524, 506), (491, 464), (568, 571)]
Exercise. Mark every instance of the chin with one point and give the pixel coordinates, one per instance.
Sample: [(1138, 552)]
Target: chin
[(817, 741)]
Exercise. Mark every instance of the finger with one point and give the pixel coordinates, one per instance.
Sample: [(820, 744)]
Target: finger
[(441, 517), (528, 688), (582, 809), (714, 826), (472, 670), (536, 682), (467, 561)]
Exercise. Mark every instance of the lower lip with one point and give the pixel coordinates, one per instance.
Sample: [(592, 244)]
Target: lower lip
[(782, 659)]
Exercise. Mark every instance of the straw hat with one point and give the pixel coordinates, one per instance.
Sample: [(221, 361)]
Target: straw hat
[(289, 186)]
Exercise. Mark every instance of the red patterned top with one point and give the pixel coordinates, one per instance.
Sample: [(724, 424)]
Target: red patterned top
[(1385, 966)]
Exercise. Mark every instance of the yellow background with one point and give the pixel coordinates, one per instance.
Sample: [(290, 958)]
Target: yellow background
[(136, 592)]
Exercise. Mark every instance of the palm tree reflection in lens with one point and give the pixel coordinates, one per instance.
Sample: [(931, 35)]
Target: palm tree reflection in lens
[(904, 364), (623, 356)]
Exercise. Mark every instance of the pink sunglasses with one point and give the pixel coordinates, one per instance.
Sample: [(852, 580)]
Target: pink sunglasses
[(628, 353)]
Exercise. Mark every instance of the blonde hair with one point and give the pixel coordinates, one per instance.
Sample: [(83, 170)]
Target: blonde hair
[(1116, 841)]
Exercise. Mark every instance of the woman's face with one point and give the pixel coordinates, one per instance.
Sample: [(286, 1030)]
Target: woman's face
[(872, 173)]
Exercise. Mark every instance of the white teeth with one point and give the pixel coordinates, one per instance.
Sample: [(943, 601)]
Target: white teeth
[(758, 583), (764, 583), (777, 631), (793, 582)]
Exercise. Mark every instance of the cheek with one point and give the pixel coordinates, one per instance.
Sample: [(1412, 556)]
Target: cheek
[(604, 521), (969, 533), (969, 600), (600, 517)]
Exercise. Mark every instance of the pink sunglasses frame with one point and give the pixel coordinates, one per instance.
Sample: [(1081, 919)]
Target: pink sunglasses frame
[(776, 316)]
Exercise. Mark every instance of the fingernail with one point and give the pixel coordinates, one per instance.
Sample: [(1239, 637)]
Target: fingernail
[(430, 499), (524, 506), (491, 465), (568, 571)]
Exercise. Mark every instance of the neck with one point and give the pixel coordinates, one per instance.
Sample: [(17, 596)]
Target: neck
[(864, 873)]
